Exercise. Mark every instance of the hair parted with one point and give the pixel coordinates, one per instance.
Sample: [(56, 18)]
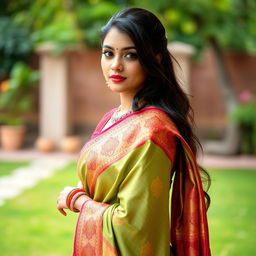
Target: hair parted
[(161, 88)]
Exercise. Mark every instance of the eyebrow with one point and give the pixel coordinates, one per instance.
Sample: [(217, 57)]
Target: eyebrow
[(125, 48)]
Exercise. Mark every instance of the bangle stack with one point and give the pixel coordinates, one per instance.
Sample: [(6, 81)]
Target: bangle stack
[(73, 195)]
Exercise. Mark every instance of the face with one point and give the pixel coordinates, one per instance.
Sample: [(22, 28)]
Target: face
[(120, 65)]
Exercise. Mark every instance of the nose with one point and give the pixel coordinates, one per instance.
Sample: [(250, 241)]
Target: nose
[(117, 64)]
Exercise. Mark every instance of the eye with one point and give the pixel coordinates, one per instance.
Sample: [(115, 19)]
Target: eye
[(107, 53), (131, 55)]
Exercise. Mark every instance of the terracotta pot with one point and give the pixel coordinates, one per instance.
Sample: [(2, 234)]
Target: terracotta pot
[(12, 137), (70, 144), (45, 144)]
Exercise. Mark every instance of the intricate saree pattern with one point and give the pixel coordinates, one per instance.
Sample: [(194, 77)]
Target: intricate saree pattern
[(126, 171)]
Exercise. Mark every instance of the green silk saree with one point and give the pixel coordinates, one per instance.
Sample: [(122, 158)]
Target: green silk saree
[(126, 171)]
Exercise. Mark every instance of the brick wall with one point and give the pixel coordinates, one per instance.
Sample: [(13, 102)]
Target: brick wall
[(91, 97), (207, 99)]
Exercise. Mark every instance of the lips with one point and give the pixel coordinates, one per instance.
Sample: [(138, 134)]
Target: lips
[(117, 78)]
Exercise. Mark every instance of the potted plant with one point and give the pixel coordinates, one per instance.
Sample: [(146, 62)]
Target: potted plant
[(245, 115), (16, 99)]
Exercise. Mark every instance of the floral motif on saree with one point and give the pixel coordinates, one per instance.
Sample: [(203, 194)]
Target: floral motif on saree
[(126, 170)]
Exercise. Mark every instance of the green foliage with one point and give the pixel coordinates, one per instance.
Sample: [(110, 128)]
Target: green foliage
[(50, 22), (231, 22), (16, 97), (92, 16), (8, 8), (15, 44), (245, 115), (66, 23), (61, 33)]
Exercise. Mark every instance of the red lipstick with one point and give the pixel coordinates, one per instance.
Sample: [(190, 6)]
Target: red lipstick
[(117, 78)]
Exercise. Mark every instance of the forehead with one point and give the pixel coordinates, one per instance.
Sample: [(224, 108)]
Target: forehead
[(117, 39)]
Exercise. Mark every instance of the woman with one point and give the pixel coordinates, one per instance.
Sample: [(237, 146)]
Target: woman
[(136, 150)]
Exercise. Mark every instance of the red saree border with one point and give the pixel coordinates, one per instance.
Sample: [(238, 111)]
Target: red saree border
[(98, 130), (189, 227), (126, 117), (89, 234), (78, 221)]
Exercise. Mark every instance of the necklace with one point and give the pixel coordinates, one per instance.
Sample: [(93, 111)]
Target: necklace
[(118, 115)]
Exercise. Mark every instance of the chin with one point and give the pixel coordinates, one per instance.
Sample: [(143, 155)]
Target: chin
[(117, 88)]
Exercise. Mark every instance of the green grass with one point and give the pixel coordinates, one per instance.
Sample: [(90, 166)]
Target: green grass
[(6, 167), (30, 224), (232, 215)]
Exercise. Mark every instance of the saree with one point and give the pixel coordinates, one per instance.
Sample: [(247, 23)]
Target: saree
[(126, 170)]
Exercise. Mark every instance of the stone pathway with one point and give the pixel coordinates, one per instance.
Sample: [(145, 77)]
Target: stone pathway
[(28, 176), (229, 162)]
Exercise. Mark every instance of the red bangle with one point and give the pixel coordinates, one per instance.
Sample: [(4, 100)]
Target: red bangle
[(73, 201), (71, 194)]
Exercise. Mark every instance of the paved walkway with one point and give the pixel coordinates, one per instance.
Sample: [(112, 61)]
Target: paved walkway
[(43, 165), (229, 162)]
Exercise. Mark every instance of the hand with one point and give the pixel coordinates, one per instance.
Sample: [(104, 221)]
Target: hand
[(61, 201), (80, 184)]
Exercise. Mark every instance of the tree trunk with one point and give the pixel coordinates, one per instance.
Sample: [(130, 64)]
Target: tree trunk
[(230, 143)]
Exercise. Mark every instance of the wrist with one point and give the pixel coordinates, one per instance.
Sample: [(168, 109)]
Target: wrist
[(72, 197), (80, 201)]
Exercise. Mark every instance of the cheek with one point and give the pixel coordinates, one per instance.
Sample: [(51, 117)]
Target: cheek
[(140, 73)]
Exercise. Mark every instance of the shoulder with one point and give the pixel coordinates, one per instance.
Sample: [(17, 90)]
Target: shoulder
[(155, 125), (155, 120)]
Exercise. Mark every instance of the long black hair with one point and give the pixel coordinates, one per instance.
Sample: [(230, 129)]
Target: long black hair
[(161, 88)]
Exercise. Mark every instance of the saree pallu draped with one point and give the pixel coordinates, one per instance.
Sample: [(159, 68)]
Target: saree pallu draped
[(126, 171)]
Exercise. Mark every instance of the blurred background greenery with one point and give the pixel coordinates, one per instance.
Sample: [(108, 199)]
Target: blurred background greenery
[(227, 24), (221, 25)]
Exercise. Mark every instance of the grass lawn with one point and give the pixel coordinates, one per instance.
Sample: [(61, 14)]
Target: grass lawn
[(7, 167), (30, 225), (232, 215)]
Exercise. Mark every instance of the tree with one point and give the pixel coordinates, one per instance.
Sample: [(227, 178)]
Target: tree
[(15, 43)]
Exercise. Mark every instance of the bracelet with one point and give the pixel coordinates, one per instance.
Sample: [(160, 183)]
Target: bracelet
[(71, 194), (73, 201)]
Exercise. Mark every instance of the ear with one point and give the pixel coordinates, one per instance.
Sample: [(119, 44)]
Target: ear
[(159, 58)]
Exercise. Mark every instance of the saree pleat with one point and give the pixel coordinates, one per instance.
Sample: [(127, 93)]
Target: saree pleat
[(126, 171)]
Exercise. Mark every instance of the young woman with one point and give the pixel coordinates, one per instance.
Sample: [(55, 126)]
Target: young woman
[(126, 169)]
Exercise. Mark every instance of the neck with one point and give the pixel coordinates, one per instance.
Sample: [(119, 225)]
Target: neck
[(126, 102)]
